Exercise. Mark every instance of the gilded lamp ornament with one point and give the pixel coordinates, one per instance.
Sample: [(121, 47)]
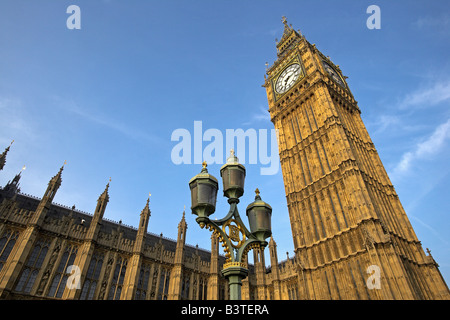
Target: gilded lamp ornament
[(231, 232)]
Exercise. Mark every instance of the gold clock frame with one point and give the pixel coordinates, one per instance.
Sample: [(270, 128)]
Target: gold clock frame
[(344, 83), (295, 60)]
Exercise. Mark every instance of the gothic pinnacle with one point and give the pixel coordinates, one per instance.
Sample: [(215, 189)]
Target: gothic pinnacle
[(146, 209), (3, 156), (105, 193)]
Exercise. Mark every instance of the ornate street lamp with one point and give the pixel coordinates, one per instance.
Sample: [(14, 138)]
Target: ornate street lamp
[(236, 239)]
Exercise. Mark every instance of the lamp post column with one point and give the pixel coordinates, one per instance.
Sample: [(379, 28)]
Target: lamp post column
[(234, 275)]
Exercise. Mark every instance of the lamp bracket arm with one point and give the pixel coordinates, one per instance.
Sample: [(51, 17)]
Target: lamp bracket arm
[(215, 227), (251, 243), (234, 214)]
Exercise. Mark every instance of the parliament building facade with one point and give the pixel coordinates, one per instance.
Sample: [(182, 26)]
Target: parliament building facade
[(351, 235)]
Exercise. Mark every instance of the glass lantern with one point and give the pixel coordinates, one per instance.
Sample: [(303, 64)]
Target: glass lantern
[(233, 177), (203, 194), (259, 215)]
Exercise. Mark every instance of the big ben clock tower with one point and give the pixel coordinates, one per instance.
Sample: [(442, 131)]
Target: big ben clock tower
[(352, 238)]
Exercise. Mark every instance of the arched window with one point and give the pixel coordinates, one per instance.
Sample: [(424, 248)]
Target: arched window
[(203, 290), (163, 284), (7, 242), (221, 291), (32, 267), (92, 276), (117, 281), (142, 285), (185, 286), (59, 281)]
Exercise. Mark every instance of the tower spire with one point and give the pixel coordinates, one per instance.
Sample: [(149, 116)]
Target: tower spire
[(54, 183), (12, 187), (289, 38), (133, 271), (56, 180), (146, 209), (176, 276), (145, 216), (3, 156), (102, 201), (105, 194), (47, 199)]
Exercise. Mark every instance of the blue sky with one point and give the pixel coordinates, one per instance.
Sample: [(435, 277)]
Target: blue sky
[(108, 97)]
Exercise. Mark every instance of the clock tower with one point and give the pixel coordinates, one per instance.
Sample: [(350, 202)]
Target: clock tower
[(352, 237)]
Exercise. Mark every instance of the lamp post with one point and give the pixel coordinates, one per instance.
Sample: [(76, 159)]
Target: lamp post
[(236, 239)]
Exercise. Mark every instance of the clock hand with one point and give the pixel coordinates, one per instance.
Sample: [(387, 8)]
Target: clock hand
[(286, 80)]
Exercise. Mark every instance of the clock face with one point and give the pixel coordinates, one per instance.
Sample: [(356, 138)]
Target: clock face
[(333, 74), (287, 78)]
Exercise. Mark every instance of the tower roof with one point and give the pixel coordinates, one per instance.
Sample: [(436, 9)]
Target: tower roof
[(287, 30), (288, 37)]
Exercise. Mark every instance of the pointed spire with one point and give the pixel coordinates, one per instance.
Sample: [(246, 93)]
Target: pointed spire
[(3, 156), (18, 176), (105, 194), (143, 226), (272, 241), (47, 199), (287, 29), (12, 187), (182, 227), (102, 202), (183, 223), (146, 209), (57, 178), (54, 184), (287, 40)]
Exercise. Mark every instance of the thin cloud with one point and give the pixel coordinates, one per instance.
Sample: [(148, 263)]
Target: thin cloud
[(262, 115), (431, 95), (441, 23), (101, 119), (425, 149), (384, 121), (436, 94), (434, 231), (16, 121)]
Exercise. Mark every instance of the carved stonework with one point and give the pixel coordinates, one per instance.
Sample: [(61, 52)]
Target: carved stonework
[(50, 265), (104, 284)]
